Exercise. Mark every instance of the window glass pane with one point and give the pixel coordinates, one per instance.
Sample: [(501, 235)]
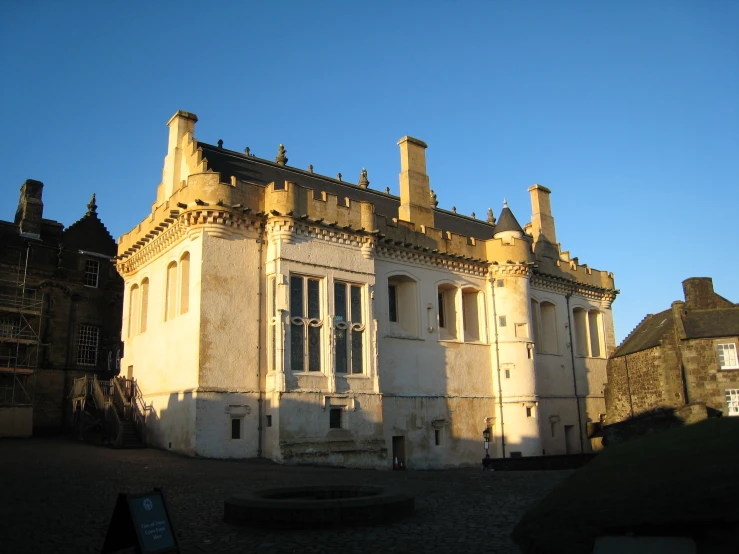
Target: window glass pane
[(392, 303), (356, 304), (314, 299), (440, 300), (235, 428), (340, 301), (335, 418), (296, 347), (314, 349), (296, 296), (357, 351), (341, 357)]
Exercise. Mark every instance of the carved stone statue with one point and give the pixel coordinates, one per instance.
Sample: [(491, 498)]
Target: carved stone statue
[(281, 159), (363, 181)]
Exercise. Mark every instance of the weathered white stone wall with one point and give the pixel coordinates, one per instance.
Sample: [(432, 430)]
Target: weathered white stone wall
[(215, 411), (164, 358)]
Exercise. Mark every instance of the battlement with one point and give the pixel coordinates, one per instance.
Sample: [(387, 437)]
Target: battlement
[(190, 185)]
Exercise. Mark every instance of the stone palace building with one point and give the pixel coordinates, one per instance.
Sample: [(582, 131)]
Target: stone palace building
[(273, 312)]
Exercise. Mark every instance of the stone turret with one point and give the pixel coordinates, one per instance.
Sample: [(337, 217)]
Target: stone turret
[(415, 193), (30, 208)]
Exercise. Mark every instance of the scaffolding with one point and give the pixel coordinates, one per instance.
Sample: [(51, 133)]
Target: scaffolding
[(21, 311)]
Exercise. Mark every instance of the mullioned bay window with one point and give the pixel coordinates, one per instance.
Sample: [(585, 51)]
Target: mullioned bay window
[(305, 323), (348, 328)]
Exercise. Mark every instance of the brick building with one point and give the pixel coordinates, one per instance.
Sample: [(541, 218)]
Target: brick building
[(683, 357), (60, 312)]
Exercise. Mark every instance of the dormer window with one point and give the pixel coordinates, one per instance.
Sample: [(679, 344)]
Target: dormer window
[(92, 272)]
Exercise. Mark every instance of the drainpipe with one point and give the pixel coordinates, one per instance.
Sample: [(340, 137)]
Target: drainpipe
[(262, 278), (497, 363), (574, 374)]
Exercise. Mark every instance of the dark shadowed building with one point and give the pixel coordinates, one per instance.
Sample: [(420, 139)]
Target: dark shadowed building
[(681, 361), (60, 312)]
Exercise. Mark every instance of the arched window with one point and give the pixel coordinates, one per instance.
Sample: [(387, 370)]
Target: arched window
[(170, 308), (447, 310), (580, 321), (403, 305), (144, 305), (471, 315), (548, 328), (185, 283), (594, 329), (133, 309)]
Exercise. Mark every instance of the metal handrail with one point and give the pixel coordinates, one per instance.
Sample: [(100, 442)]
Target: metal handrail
[(98, 396), (115, 428), (119, 400), (138, 410), (79, 387)]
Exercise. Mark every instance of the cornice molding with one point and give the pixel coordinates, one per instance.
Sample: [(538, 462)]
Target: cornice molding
[(558, 285)]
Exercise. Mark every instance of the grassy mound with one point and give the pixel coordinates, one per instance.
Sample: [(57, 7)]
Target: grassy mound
[(685, 477)]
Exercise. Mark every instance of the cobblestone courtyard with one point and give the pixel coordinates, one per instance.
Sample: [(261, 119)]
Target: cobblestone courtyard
[(58, 496)]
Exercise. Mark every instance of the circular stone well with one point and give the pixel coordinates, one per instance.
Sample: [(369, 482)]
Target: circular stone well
[(328, 505)]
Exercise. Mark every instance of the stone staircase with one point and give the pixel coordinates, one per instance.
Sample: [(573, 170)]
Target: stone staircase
[(114, 411)]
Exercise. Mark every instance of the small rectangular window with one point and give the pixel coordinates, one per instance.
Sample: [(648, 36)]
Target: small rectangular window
[(335, 418), (442, 319), (502, 322), (392, 295), (507, 373), (269, 421), (727, 358), (732, 402), (92, 271), (235, 428), (500, 283), (529, 411), (437, 437)]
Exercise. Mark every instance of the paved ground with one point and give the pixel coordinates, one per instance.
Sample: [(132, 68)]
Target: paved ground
[(57, 496)]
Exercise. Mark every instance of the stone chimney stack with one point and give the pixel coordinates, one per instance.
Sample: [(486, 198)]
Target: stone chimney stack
[(542, 222), (415, 193), (699, 293), (181, 125), (30, 208)]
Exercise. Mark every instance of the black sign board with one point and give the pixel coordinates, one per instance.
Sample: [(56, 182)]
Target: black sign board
[(141, 520)]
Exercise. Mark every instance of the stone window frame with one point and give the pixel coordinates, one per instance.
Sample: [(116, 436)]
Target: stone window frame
[(92, 273), (735, 347), (460, 308), (582, 336), (307, 322), (732, 402), (88, 345), (546, 337), (177, 286), (138, 307), (353, 329), (407, 323)]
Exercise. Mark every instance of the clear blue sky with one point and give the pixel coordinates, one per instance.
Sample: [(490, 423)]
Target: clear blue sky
[(628, 111)]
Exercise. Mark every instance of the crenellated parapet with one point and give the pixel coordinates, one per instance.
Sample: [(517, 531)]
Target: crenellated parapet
[(248, 194)]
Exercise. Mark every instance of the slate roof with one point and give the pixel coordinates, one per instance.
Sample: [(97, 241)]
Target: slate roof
[(507, 221), (647, 334), (699, 324), (262, 172), (90, 234), (702, 324)]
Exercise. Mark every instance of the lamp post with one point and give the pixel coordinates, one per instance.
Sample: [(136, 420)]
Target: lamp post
[(486, 461)]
